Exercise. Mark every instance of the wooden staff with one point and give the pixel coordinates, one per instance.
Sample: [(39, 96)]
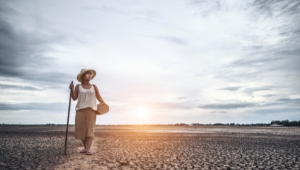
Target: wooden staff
[(68, 121)]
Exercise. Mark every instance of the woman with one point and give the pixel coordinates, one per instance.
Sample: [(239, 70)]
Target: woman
[(86, 107)]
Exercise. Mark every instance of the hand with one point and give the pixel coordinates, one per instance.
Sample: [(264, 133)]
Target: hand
[(71, 86)]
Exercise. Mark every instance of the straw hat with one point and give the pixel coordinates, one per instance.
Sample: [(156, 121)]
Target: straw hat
[(102, 109), (84, 71)]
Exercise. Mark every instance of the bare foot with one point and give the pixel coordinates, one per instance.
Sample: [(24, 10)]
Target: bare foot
[(83, 151), (89, 152)]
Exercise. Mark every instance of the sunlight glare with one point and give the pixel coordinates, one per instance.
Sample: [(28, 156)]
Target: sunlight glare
[(141, 111)]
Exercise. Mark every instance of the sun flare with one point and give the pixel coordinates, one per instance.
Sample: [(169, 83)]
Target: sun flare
[(141, 111)]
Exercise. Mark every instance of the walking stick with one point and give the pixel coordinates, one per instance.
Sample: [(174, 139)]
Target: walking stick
[(68, 121)]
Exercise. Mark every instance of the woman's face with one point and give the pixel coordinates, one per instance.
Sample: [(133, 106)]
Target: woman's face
[(87, 76)]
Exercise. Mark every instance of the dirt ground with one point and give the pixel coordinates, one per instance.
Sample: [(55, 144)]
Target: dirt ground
[(152, 147)]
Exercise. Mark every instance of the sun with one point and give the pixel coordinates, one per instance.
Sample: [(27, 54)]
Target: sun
[(141, 111)]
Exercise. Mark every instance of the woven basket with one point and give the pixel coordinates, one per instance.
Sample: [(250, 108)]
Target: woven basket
[(102, 109)]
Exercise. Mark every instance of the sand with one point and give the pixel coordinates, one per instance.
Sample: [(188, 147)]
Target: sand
[(148, 147)]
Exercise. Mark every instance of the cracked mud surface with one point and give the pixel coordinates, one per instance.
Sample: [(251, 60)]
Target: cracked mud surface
[(120, 147)]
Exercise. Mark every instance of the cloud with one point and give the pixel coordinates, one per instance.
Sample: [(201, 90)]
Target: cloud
[(272, 47), (105, 9), (172, 39), (218, 112), (270, 60), (281, 102), (251, 90), (164, 105), (171, 105), (231, 88), (23, 52), (181, 98), (17, 87), (34, 106), (288, 100), (227, 105), (274, 111), (256, 62), (268, 95), (252, 47), (270, 8)]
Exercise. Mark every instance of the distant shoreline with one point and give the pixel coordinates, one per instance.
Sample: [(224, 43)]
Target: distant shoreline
[(150, 125), (273, 123)]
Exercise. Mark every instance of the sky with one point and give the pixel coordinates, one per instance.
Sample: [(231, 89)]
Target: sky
[(157, 62)]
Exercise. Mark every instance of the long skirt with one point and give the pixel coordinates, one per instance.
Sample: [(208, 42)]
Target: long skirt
[(85, 121)]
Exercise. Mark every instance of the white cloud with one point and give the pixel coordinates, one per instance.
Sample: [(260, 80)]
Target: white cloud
[(207, 53)]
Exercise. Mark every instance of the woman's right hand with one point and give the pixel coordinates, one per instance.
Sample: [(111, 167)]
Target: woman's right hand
[(71, 86)]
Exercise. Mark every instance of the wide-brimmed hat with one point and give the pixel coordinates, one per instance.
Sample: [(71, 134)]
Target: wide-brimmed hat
[(84, 71)]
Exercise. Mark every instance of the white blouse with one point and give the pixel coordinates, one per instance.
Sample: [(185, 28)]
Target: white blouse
[(86, 98)]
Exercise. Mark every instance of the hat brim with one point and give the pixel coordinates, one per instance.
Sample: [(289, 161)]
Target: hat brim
[(83, 72)]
